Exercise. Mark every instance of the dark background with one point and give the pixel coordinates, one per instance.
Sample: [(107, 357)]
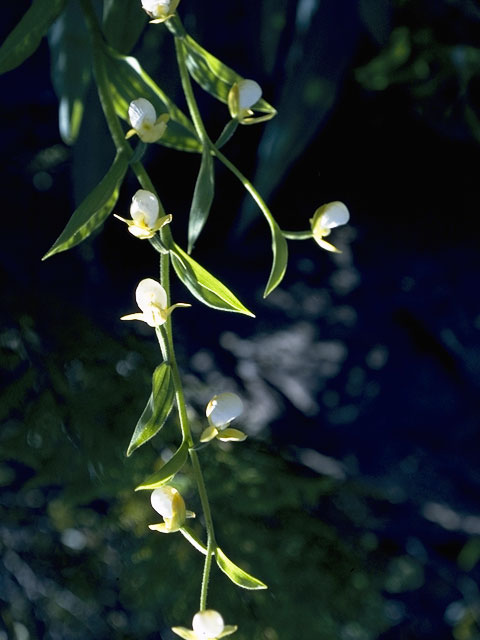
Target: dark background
[(360, 373)]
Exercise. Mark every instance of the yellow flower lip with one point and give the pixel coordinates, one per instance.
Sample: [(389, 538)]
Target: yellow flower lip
[(144, 121), (327, 217)]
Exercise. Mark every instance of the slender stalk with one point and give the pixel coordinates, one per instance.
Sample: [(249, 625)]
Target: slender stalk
[(297, 235), (164, 334)]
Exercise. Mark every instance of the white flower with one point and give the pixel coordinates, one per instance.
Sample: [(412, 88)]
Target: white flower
[(160, 10), (242, 96), (168, 502), (144, 121), (221, 410), (325, 218), (207, 625), (152, 299), (144, 211)]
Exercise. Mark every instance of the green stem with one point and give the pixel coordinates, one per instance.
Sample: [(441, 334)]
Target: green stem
[(297, 235), (164, 334)]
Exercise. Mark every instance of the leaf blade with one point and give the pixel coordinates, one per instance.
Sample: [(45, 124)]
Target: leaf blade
[(213, 75), (71, 68), (25, 38), (168, 471), (202, 198), (157, 409), (128, 81), (280, 257), (94, 210), (203, 285), (238, 576)]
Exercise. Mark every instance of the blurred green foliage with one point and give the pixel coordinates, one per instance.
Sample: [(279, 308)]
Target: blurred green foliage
[(79, 561)]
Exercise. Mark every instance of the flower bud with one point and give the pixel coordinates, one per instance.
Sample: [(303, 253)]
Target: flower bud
[(152, 299), (242, 96), (144, 121), (208, 624), (223, 408), (160, 10), (144, 211), (325, 218), (168, 502)]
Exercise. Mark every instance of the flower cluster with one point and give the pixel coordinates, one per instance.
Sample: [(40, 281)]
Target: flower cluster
[(168, 502), (145, 220), (207, 625), (221, 410), (152, 299), (326, 218), (144, 121)]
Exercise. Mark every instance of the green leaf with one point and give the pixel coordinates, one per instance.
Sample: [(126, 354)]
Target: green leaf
[(71, 68), (237, 575), (94, 209), (26, 36), (123, 22), (202, 198), (214, 76), (128, 81), (203, 285), (168, 471), (280, 257), (157, 410)]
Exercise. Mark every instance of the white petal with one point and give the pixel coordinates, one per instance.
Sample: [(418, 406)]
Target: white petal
[(144, 207), (162, 501), (158, 8), (249, 93), (224, 408), (150, 292), (140, 111), (208, 624), (334, 215)]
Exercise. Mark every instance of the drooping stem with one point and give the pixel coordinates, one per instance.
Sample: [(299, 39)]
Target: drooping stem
[(164, 333)]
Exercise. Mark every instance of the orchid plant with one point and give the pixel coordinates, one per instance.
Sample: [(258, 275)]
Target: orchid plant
[(130, 97)]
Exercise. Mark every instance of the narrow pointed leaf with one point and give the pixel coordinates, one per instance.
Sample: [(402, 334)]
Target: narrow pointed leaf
[(213, 76), (280, 257), (168, 471), (123, 23), (128, 81), (157, 409), (203, 285), (202, 198), (237, 575), (94, 209), (26, 36), (71, 67)]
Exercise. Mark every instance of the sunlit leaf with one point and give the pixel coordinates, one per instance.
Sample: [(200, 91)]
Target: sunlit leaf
[(202, 198), (280, 257), (168, 471), (26, 36), (123, 23), (157, 409), (214, 76), (237, 575), (71, 65), (94, 209), (203, 285), (128, 81)]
